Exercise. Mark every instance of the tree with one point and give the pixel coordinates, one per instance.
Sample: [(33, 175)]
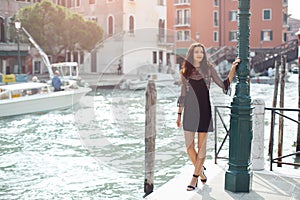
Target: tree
[(57, 29)]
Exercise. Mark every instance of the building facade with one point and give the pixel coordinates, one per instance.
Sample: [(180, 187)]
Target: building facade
[(155, 31), (131, 35), (215, 23), (9, 51)]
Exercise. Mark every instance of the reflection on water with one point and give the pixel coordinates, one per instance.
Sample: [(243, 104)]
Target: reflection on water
[(96, 151)]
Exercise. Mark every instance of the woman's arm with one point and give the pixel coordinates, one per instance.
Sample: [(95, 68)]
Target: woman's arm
[(181, 99), (233, 69), (225, 84), (179, 114)]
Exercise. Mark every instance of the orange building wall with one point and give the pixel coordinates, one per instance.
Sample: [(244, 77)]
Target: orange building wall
[(202, 22), (257, 23)]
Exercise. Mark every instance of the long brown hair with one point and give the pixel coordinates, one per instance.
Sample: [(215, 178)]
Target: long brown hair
[(188, 63)]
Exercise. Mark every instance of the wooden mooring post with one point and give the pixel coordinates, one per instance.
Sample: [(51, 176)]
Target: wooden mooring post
[(150, 135), (274, 103), (281, 104)]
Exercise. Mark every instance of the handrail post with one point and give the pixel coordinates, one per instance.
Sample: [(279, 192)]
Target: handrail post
[(216, 138), (272, 139), (298, 132)]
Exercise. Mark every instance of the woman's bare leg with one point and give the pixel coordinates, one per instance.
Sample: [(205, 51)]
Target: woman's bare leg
[(202, 138), (190, 146)]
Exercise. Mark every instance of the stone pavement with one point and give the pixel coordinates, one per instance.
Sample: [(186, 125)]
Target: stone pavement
[(274, 185)]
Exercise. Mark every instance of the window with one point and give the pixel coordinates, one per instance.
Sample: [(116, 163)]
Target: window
[(160, 55), (186, 35), (267, 14), (131, 24), (110, 26), (161, 30), (266, 35), (160, 2), (2, 30), (216, 36), (154, 57), (216, 2), (216, 18), (77, 3), (284, 37), (179, 36), (179, 17), (233, 36), (186, 17), (183, 17), (183, 35), (285, 18), (233, 15)]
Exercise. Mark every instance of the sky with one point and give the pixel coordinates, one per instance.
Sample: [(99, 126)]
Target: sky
[(294, 8)]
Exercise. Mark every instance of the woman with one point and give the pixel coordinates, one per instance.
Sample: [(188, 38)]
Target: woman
[(196, 76)]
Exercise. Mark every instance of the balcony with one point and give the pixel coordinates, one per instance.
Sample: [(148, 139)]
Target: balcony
[(182, 25), (182, 3), (13, 47), (183, 22), (165, 40)]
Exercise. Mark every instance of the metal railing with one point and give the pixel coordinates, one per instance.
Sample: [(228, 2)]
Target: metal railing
[(274, 111), (278, 160), (217, 150)]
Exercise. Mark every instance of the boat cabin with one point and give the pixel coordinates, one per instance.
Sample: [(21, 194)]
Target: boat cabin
[(67, 70), (23, 89)]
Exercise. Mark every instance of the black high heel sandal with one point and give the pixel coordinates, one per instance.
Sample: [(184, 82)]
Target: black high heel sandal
[(191, 187), (205, 179)]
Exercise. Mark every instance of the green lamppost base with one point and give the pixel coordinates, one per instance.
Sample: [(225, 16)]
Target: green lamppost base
[(238, 177), (238, 182)]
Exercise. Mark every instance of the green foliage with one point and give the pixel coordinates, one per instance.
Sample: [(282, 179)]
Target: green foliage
[(56, 29)]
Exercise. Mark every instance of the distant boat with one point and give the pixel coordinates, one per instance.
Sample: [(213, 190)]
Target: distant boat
[(32, 97), (161, 80), (266, 79)]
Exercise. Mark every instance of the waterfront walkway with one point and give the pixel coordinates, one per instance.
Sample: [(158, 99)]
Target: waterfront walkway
[(282, 183)]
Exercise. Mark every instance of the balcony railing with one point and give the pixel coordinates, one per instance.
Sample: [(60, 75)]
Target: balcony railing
[(163, 39), (13, 47), (182, 2)]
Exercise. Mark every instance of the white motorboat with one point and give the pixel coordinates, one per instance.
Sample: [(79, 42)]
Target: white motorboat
[(32, 97), (160, 79)]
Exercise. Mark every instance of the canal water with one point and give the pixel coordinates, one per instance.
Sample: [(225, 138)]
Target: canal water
[(96, 149)]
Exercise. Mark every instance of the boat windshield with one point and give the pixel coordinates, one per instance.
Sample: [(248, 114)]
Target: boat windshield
[(68, 70)]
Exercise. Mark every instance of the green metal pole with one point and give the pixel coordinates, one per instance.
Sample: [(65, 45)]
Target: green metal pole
[(19, 58), (238, 177)]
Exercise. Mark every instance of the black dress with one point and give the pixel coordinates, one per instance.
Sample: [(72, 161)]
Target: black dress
[(195, 99), (197, 107)]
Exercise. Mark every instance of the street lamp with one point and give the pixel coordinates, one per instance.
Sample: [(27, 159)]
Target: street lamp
[(238, 177), (18, 27), (197, 36)]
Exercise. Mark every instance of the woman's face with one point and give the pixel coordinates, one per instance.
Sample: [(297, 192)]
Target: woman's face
[(198, 54)]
